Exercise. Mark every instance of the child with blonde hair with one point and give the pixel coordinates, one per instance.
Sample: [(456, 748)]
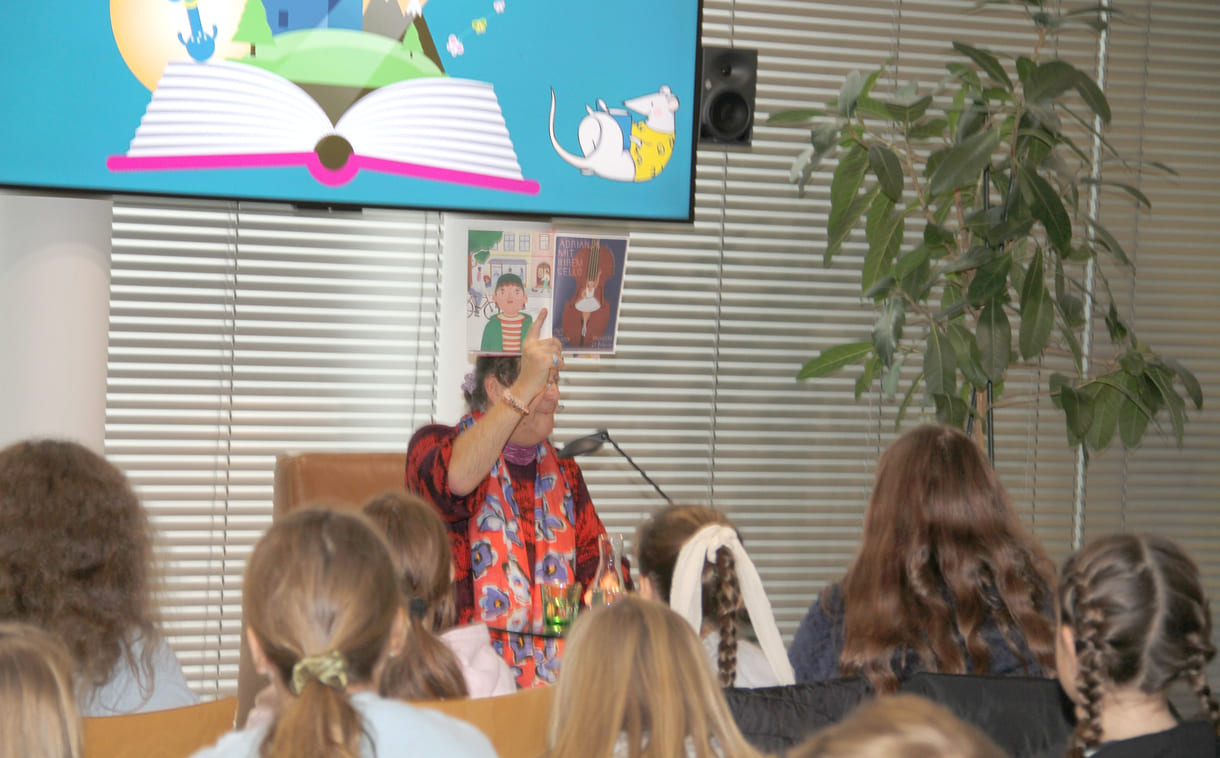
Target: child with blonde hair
[(320, 602), (635, 684), (38, 717)]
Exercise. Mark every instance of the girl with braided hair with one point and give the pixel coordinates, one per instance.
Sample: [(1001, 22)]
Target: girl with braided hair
[(1133, 619), (322, 613), (691, 557)]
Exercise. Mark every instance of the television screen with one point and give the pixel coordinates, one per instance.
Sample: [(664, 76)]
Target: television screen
[(547, 107)]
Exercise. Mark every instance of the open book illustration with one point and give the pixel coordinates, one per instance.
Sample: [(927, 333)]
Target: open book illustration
[(226, 114)]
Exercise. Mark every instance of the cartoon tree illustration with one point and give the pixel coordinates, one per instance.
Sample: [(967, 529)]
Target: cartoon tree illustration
[(253, 28)]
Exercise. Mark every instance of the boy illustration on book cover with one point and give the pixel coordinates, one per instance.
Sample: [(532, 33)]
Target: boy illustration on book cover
[(500, 303), (336, 86)]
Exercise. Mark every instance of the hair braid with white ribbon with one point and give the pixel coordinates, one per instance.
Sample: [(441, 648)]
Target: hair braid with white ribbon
[(686, 591)]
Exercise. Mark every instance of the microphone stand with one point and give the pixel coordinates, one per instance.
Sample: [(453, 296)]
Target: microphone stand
[(591, 443)]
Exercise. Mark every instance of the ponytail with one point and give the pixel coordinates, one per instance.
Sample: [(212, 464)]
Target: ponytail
[(427, 669), (727, 604), (318, 723)]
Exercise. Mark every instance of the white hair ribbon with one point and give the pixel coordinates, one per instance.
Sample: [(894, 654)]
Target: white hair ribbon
[(686, 591)]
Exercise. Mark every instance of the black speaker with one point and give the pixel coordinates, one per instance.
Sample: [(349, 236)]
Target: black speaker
[(728, 77)]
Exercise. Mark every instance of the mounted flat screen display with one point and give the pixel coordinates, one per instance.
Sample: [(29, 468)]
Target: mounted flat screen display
[(547, 107)]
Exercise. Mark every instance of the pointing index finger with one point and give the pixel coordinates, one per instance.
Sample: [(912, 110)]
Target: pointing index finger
[(536, 328)]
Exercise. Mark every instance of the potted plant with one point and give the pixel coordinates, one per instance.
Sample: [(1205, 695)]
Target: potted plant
[(975, 196)]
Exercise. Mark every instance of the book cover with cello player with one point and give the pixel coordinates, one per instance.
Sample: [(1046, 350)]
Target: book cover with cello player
[(588, 291)]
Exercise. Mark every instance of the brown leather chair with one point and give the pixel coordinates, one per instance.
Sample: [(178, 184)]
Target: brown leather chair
[(516, 724), (176, 733), (332, 480)]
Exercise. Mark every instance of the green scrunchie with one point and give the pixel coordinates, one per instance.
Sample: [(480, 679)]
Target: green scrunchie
[(328, 668)]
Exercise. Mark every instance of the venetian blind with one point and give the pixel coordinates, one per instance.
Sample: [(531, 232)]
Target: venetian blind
[(238, 332)]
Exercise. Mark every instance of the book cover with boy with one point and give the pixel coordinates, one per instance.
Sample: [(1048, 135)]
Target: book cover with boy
[(509, 278)]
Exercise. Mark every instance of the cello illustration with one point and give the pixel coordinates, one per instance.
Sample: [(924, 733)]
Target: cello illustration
[(586, 314)]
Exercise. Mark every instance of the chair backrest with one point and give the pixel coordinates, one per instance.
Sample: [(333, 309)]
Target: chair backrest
[(774, 719), (175, 733), (1026, 716), (516, 724), (334, 480)]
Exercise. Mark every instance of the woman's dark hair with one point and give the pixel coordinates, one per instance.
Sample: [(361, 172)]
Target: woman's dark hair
[(419, 548), (1136, 608), (942, 552), (75, 552), (504, 368), (658, 542)]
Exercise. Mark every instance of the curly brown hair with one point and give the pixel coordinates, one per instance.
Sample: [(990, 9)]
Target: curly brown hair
[(75, 548), (941, 554)]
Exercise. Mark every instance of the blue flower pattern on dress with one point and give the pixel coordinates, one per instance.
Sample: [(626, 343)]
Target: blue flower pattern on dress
[(546, 524), (518, 582), (569, 508), (553, 568), (546, 662), (482, 556), (521, 648), (494, 603), (491, 517)]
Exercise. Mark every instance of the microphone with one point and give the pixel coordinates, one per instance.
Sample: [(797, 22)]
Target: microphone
[(591, 443)]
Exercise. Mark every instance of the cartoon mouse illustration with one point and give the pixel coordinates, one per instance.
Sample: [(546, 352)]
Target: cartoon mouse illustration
[(612, 149)]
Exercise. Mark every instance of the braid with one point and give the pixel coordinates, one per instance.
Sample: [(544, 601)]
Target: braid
[(728, 598), (1197, 675), (1090, 678)]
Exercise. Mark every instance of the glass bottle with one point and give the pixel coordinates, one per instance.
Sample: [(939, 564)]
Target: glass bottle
[(608, 584)]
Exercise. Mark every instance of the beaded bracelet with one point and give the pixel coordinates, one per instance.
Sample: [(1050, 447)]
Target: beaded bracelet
[(515, 404)]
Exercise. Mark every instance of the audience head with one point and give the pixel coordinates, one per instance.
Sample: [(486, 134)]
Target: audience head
[(75, 550), (38, 717), (321, 611), (419, 550), (636, 669), (659, 542), (1132, 617), (899, 726), (942, 551)]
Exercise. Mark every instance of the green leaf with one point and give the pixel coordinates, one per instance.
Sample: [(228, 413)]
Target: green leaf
[(872, 108), (977, 255), (1093, 96), (929, 129), (853, 85), (1131, 190), (951, 410), (966, 74), (994, 337), (887, 331), (1046, 206), (1118, 330), (966, 350), (1189, 382), (1106, 402), (939, 364), (911, 260), (845, 206), (1078, 412), (1176, 406), (881, 288), (906, 401), (990, 280), (888, 169), (906, 113), (884, 229), (1050, 80), (834, 358), (963, 163), (1108, 242), (866, 378), (1133, 418), (1037, 311), (889, 382), (987, 62), (824, 136), (794, 116), (1073, 344)]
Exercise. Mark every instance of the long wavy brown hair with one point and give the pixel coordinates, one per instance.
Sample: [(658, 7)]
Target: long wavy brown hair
[(942, 553), (75, 552)]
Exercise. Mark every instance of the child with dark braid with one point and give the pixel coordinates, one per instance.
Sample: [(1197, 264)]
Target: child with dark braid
[(1133, 619), (691, 557)]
